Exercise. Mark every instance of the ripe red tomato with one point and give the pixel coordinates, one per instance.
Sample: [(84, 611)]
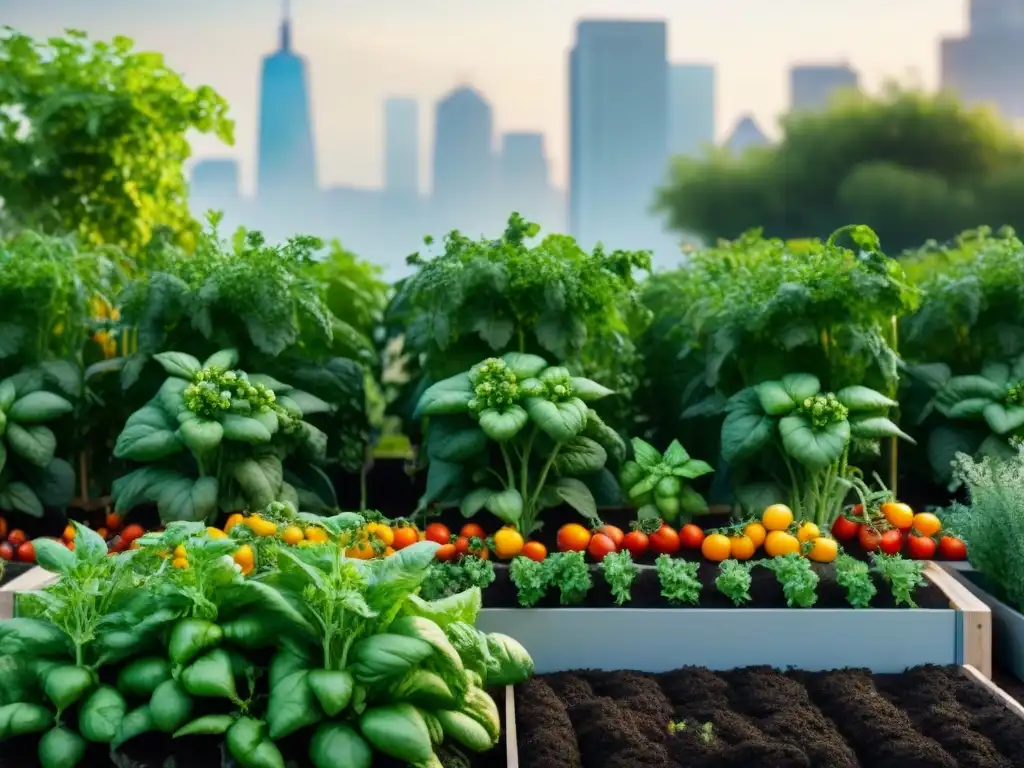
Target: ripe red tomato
[(446, 552), (844, 529), (614, 533), (921, 547), (17, 537), (637, 543), (438, 533), (952, 548), (891, 542), (601, 545), (664, 541), (469, 530), (6, 551), (869, 538), (691, 536), (462, 545), (3, 528), (26, 552), (535, 551), (131, 533), (573, 537)]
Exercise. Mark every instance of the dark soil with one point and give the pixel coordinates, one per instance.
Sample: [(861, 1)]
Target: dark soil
[(928, 717), (764, 591), (13, 570)]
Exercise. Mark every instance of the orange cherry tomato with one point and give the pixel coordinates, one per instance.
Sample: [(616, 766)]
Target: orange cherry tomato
[(439, 533), (69, 532), (927, 524), (131, 533), (755, 532), (70, 544), (508, 542), (741, 547), (573, 537), (899, 515), (404, 537), (236, 519), (316, 534), (469, 530), (245, 558), (823, 550), (613, 532), (600, 545), (716, 547), (535, 551), (446, 553), (293, 535), (113, 521), (104, 533)]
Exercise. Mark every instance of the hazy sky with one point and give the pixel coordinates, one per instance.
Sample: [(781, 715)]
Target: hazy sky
[(361, 51)]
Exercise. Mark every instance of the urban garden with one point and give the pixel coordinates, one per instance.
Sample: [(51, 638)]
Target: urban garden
[(531, 506)]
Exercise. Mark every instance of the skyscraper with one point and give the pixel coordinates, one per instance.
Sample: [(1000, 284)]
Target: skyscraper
[(214, 182), (524, 176), (464, 167), (812, 86), (401, 147), (746, 134), (287, 164), (985, 66), (691, 104), (618, 121)]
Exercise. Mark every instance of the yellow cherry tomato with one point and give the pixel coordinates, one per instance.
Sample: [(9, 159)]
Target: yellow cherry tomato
[(823, 550), (363, 550), (716, 547), (292, 535), (233, 520), (316, 534), (927, 524), (807, 532), (755, 532), (215, 533), (245, 558), (898, 514), (382, 532), (741, 547), (180, 562), (781, 543), (777, 517), (261, 527), (508, 543), (179, 552)]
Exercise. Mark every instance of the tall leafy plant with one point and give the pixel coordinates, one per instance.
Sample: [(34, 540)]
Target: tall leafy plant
[(481, 298), (215, 440)]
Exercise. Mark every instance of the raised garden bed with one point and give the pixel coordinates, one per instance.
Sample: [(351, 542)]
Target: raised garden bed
[(951, 627), (926, 717), (1007, 622)]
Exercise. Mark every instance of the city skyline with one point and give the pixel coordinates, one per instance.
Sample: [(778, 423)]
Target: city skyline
[(350, 136)]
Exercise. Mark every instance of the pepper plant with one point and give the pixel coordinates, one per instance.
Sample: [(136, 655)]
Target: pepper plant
[(655, 482), (805, 435), (514, 435), (213, 440)]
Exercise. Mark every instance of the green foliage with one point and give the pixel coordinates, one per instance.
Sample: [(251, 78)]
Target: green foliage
[(551, 445), (992, 522), (913, 165), (657, 484), (93, 138), (489, 297)]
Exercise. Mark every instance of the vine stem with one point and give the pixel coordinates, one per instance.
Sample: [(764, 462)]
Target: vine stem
[(508, 466), (541, 480)]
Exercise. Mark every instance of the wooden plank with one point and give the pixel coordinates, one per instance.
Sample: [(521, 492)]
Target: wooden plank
[(976, 642), (511, 739), (33, 579), (1004, 698)]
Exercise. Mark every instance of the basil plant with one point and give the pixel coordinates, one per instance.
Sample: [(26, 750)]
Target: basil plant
[(515, 436), (214, 439), (811, 433)]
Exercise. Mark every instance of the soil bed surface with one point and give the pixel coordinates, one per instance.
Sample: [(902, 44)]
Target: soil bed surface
[(765, 591), (928, 717)]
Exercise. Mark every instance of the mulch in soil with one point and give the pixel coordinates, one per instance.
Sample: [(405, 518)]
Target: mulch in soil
[(764, 591), (928, 717)]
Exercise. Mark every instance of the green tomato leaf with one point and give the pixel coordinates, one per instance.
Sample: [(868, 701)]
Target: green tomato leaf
[(148, 435), (89, 545), (201, 436), (456, 440), (878, 426), (242, 429), (38, 407), (587, 390), (860, 398), (188, 500), (578, 496), (53, 556), (495, 331), (1003, 419), (447, 396), (746, 429), (140, 486), (260, 479), (559, 421), (474, 501), (503, 425), (816, 449), (179, 364), (580, 456), (505, 505), (524, 366), (18, 497), (226, 359), (35, 444)]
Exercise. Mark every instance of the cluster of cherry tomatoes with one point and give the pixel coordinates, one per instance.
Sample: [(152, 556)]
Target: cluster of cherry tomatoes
[(14, 544), (606, 539), (472, 541), (896, 529)]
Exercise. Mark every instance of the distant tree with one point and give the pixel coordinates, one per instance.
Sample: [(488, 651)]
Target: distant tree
[(910, 165), (93, 139)]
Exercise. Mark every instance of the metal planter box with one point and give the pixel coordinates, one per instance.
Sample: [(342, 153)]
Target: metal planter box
[(663, 639), (1007, 622)]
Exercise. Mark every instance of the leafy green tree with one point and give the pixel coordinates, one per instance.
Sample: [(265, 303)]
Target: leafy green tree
[(93, 138), (911, 166)]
